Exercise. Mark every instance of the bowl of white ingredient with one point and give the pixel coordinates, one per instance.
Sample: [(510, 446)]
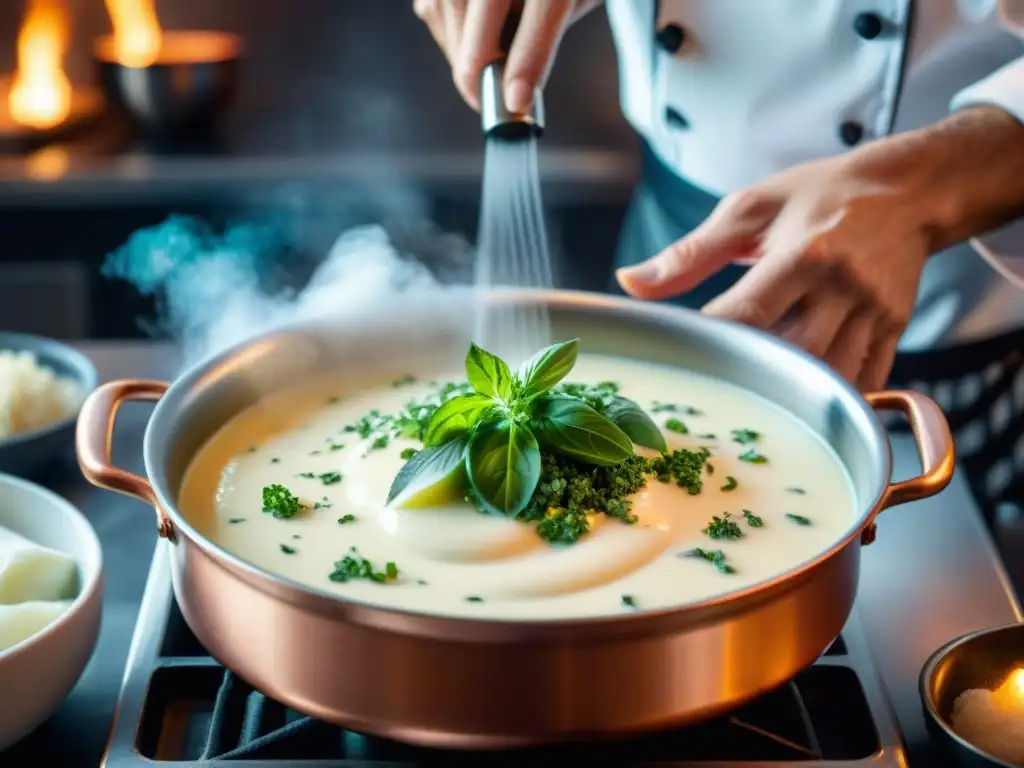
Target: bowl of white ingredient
[(51, 592), (972, 690), (42, 386)]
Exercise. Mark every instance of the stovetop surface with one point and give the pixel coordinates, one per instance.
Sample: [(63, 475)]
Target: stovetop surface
[(178, 706)]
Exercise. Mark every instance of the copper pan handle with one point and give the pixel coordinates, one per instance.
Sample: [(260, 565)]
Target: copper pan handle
[(94, 435), (934, 445)]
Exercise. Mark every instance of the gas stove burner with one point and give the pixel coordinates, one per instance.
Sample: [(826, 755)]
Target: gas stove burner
[(180, 707)]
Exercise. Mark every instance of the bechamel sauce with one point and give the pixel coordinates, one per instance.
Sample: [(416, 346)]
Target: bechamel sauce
[(460, 553)]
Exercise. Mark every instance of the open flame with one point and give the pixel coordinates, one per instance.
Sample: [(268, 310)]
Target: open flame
[(137, 35), (40, 94)]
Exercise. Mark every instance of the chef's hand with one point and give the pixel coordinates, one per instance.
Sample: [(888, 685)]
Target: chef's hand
[(836, 247), (469, 33)]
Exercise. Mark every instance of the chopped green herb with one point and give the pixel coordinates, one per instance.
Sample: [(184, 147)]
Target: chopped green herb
[(354, 566), (327, 478), (659, 407), (422, 583), (682, 466), (408, 453), (675, 425), (324, 503), (409, 423), (474, 599), (287, 550), (234, 520), (751, 456), (752, 520), (251, 449), (715, 557), (333, 446), (731, 484), (629, 601), (275, 460), (346, 519), (745, 436), (708, 436), (723, 528), (797, 491), (710, 468), (314, 453), (691, 411), (296, 536), (798, 519), (280, 502), (404, 381), (333, 400)]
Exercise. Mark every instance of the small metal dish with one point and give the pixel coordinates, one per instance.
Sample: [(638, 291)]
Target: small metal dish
[(188, 85), (28, 453), (982, 659)]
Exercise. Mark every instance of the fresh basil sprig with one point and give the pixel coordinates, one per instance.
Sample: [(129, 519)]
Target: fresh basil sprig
[(492, 437)]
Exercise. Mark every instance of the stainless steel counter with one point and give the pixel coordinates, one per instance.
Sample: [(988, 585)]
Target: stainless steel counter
[(932, 575)]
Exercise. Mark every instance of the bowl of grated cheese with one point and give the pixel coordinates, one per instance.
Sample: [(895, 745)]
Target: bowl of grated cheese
[(42, 385)]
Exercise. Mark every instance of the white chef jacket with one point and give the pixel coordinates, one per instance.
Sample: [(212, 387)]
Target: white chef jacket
[(728, 92)]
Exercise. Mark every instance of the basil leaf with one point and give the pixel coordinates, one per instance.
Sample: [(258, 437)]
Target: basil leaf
[(455, 417), (631, 419), (571, 427), (548, 367), (436, 473), (488, 374), (503, 464)]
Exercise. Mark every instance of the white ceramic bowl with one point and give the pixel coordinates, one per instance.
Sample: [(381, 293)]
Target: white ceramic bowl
[(37, 673)]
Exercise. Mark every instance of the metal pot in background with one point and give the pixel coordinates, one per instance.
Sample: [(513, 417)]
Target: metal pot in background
[(462, 683)]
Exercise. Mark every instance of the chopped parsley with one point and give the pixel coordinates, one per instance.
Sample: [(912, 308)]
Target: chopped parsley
[(353, 566), (798, 519), (333, 446), (723, 528), (675, 425), (659, 407), (751, 456), (280, 502), (745, 436), (404, 381), (346, 519), (409, 423), (324, 503), (408, 453), (629, 601), (708, 436), (731, 484), (796, 491), (327, 478), (474, 599), (752, 520), (275, 460), (715, 557), (287, 550), (682, 466), (235, 520), (598, 396), (710, 468)]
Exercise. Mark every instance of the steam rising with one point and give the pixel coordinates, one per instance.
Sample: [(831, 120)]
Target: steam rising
[(214, 289)]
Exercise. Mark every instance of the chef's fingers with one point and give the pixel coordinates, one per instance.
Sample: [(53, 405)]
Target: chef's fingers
[(879, 364), (765, 294), (685, 264), (480, 45), (848, 353), (533, 49), (431, 14), (733, 231), (817, 325), (454, 24)]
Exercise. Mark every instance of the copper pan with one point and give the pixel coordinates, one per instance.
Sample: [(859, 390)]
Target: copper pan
[(462, 683)]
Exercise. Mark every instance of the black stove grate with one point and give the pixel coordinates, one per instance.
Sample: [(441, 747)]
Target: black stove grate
[(179, 707), (196, 711)]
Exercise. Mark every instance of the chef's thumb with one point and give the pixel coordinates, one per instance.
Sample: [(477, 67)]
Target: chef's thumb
[(681, 267)]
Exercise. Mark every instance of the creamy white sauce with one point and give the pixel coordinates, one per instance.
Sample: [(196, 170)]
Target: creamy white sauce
[(445, 556)]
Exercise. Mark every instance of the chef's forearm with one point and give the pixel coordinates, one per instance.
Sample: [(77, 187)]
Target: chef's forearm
[(965, 173), (979, 156)]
